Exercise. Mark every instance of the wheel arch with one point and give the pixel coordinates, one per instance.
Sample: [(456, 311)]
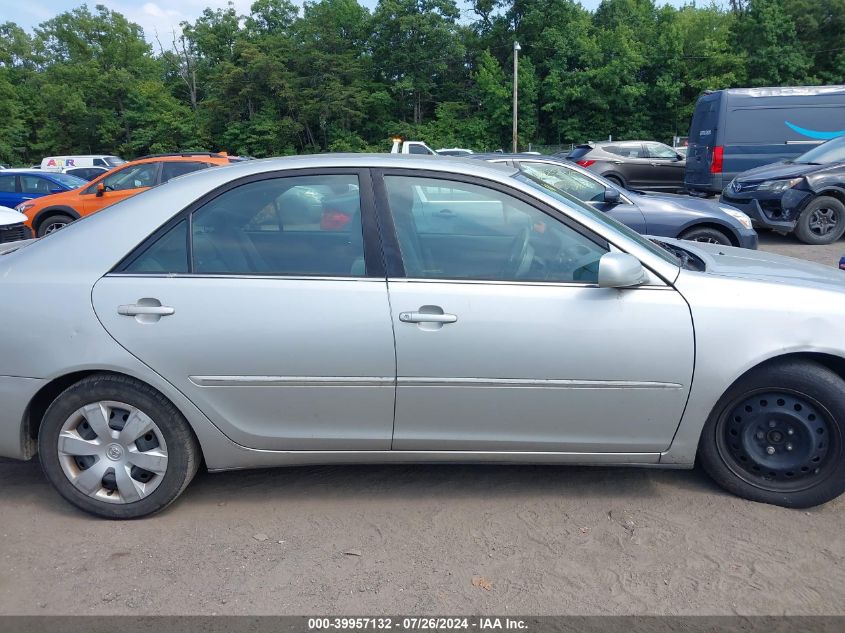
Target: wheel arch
[(711, 224), (44, 397), (52, 210)]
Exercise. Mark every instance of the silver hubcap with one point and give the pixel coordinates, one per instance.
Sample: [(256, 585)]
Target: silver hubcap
[(54, 226), (112, 452), (823, 221)]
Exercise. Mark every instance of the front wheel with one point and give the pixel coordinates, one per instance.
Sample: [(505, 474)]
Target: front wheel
[(776, 436), (52, 223), (821, 222), (706, 234), (116, 448)]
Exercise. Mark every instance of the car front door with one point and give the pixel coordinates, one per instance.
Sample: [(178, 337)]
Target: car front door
[(667, 166), (635, 165), (588, 190), (505, 342), (120, 184), (277, 327)]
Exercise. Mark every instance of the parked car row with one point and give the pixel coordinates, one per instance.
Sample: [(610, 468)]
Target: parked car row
[(53, 212)]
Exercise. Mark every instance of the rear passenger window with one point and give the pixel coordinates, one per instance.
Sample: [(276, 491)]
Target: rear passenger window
[(168, 254), (304, 225), (172, 169), (7, 184), (626, 151)]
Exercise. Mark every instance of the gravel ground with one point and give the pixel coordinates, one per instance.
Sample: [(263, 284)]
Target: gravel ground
[(392, 539)]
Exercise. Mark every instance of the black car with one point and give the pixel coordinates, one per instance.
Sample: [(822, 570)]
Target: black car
[(805, 196), (633, 164)]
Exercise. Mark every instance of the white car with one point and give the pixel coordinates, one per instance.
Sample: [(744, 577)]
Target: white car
[(12, 227)]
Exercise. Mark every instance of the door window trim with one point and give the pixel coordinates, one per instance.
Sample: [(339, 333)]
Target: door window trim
[(374, 260), (393, 256)]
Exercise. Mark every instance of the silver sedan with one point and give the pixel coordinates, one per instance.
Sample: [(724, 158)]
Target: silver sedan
[(344, 309)]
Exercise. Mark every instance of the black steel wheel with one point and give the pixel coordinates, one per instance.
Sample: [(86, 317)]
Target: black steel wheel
[(778, 440), (776, 435)]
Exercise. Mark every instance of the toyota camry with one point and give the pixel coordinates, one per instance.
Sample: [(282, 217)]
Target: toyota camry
[(345, 309)]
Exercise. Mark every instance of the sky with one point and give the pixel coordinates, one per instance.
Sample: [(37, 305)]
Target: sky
[(160, 16)]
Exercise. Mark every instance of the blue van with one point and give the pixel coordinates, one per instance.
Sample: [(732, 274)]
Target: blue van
[(741, 128)]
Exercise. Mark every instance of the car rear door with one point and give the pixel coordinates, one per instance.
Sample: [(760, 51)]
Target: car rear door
[(276, 327), (504, 341), (9, 195)]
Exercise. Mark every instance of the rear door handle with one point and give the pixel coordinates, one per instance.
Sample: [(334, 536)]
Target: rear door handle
[(136, 310), (423, 317)]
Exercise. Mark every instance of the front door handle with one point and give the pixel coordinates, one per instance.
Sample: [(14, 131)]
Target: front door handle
[(137, 310), (424, 317)]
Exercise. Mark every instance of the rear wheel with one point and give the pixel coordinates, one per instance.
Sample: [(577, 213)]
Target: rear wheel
[(616, 180), (821, 222), (776, 436), (707, 235), (116, 448), (53, 222)]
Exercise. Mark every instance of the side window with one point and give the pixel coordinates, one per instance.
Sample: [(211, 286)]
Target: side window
[(171, 169), (454, 230), (566, 180), (7, 184), (626, 151), (35, 184), (661, 151), (134, 177), (99, 162), (168, 254), (298, 225)]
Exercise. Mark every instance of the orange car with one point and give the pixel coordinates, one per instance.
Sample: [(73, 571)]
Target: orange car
[(53, 212)]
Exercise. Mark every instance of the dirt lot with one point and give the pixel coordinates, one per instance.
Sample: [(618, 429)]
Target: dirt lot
[(386, 540)]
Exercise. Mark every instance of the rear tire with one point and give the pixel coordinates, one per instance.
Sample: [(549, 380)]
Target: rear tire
[(776, 436), (707, 235), (616, 180), (53, 222), (117, 448), (821, 222)]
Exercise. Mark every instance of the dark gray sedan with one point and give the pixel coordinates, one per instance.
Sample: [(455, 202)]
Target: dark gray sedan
[(664, 215)]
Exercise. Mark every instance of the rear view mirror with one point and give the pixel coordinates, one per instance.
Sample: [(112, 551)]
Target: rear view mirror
[(101, 189), (620, 270), (611, 196)]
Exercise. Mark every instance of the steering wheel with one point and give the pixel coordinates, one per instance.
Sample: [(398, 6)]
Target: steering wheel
[(520, 254)]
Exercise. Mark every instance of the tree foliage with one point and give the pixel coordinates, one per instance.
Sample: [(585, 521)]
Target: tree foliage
[(332, 75)]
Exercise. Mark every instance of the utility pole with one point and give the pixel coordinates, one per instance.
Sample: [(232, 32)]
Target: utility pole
[(516, 49)]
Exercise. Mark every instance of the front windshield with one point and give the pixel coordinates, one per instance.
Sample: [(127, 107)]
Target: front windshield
[(831, 152), (69, 180), (576, 204)]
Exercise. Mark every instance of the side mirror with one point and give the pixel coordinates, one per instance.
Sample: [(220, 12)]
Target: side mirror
[(620, 270), (101, 189), (611, 196), (680, 157), (56, 190)]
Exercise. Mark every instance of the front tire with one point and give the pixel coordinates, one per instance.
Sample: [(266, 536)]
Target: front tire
[(821, 222), (116, 448), (707, 235), (53, 222), (776, 436)]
